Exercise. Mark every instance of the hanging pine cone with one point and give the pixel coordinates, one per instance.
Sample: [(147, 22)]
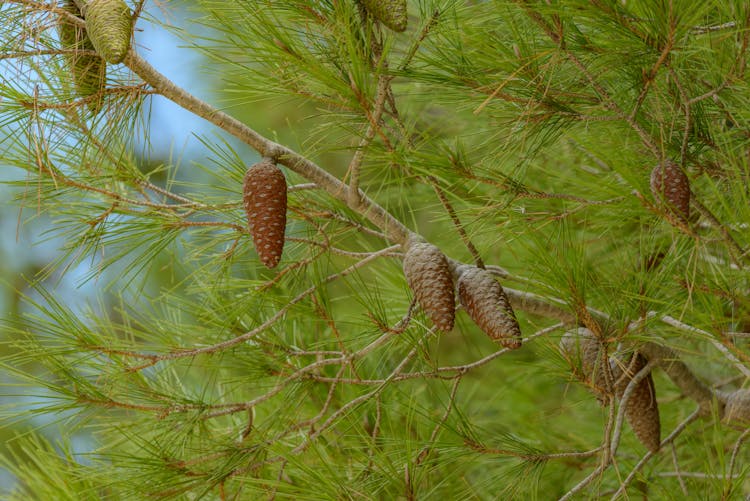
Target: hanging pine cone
[(641, 411), (391, 13), (737, 407), (264, 197), (584, 353), (670, 185), (89, 71), (429, 276), (486, 303), (110, 28)]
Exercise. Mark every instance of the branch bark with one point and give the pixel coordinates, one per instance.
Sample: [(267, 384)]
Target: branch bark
[(395, 231)]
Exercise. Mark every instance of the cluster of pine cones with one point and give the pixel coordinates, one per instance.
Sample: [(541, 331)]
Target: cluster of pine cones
[(426, 268), (431, 277), (109, 28), (587, 356), (433, 280)]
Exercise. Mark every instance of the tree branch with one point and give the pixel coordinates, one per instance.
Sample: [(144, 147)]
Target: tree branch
[(393, 228)]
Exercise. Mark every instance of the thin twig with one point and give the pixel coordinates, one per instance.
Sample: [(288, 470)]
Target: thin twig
[(265, 325), (439, 425), (372, 127), (605, 461), (717, 344), (672, 436), (355, 402), (733, 461), (456, 222), (737, 251), (676, 463)]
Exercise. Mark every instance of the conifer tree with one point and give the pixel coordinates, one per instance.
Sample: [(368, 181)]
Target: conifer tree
[(438, 249)]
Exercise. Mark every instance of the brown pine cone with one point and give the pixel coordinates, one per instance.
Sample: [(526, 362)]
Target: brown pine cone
[(264, 196), (486, 303), (670, 185), (584, 353), (737, 408), (641, 411), (110, 28), (391, 13), (429, 276), (89, 71)]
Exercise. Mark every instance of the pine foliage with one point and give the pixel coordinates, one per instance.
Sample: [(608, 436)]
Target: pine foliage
[(517, 136)]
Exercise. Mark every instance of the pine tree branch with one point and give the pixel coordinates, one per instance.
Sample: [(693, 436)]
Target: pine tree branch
[(482, 449), (680, 374), (675, 462), (557, 37), (736, 254), (394, 229), (357, 401), (189, 353), (671, 438), (605, 461), (422, 455), (738, 364)]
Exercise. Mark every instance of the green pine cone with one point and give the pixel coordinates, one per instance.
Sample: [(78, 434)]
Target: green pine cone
[(391, 13), (110, 28), (89, 71)]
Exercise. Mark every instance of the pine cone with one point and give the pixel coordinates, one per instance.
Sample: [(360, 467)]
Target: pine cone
[(486, 303), (110, 27), (737, 408), (89, 71), (429, 276), (670, 185), (391, 13), (584, 353), (264, 196), (642, 411)]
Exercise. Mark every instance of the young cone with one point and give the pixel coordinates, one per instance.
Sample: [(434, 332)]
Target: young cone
[(429, 276), (391, 13), (89, 71), (486, 303), (264, 197), (738, 407), (641, 411), (110, 28), (670, 185)]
